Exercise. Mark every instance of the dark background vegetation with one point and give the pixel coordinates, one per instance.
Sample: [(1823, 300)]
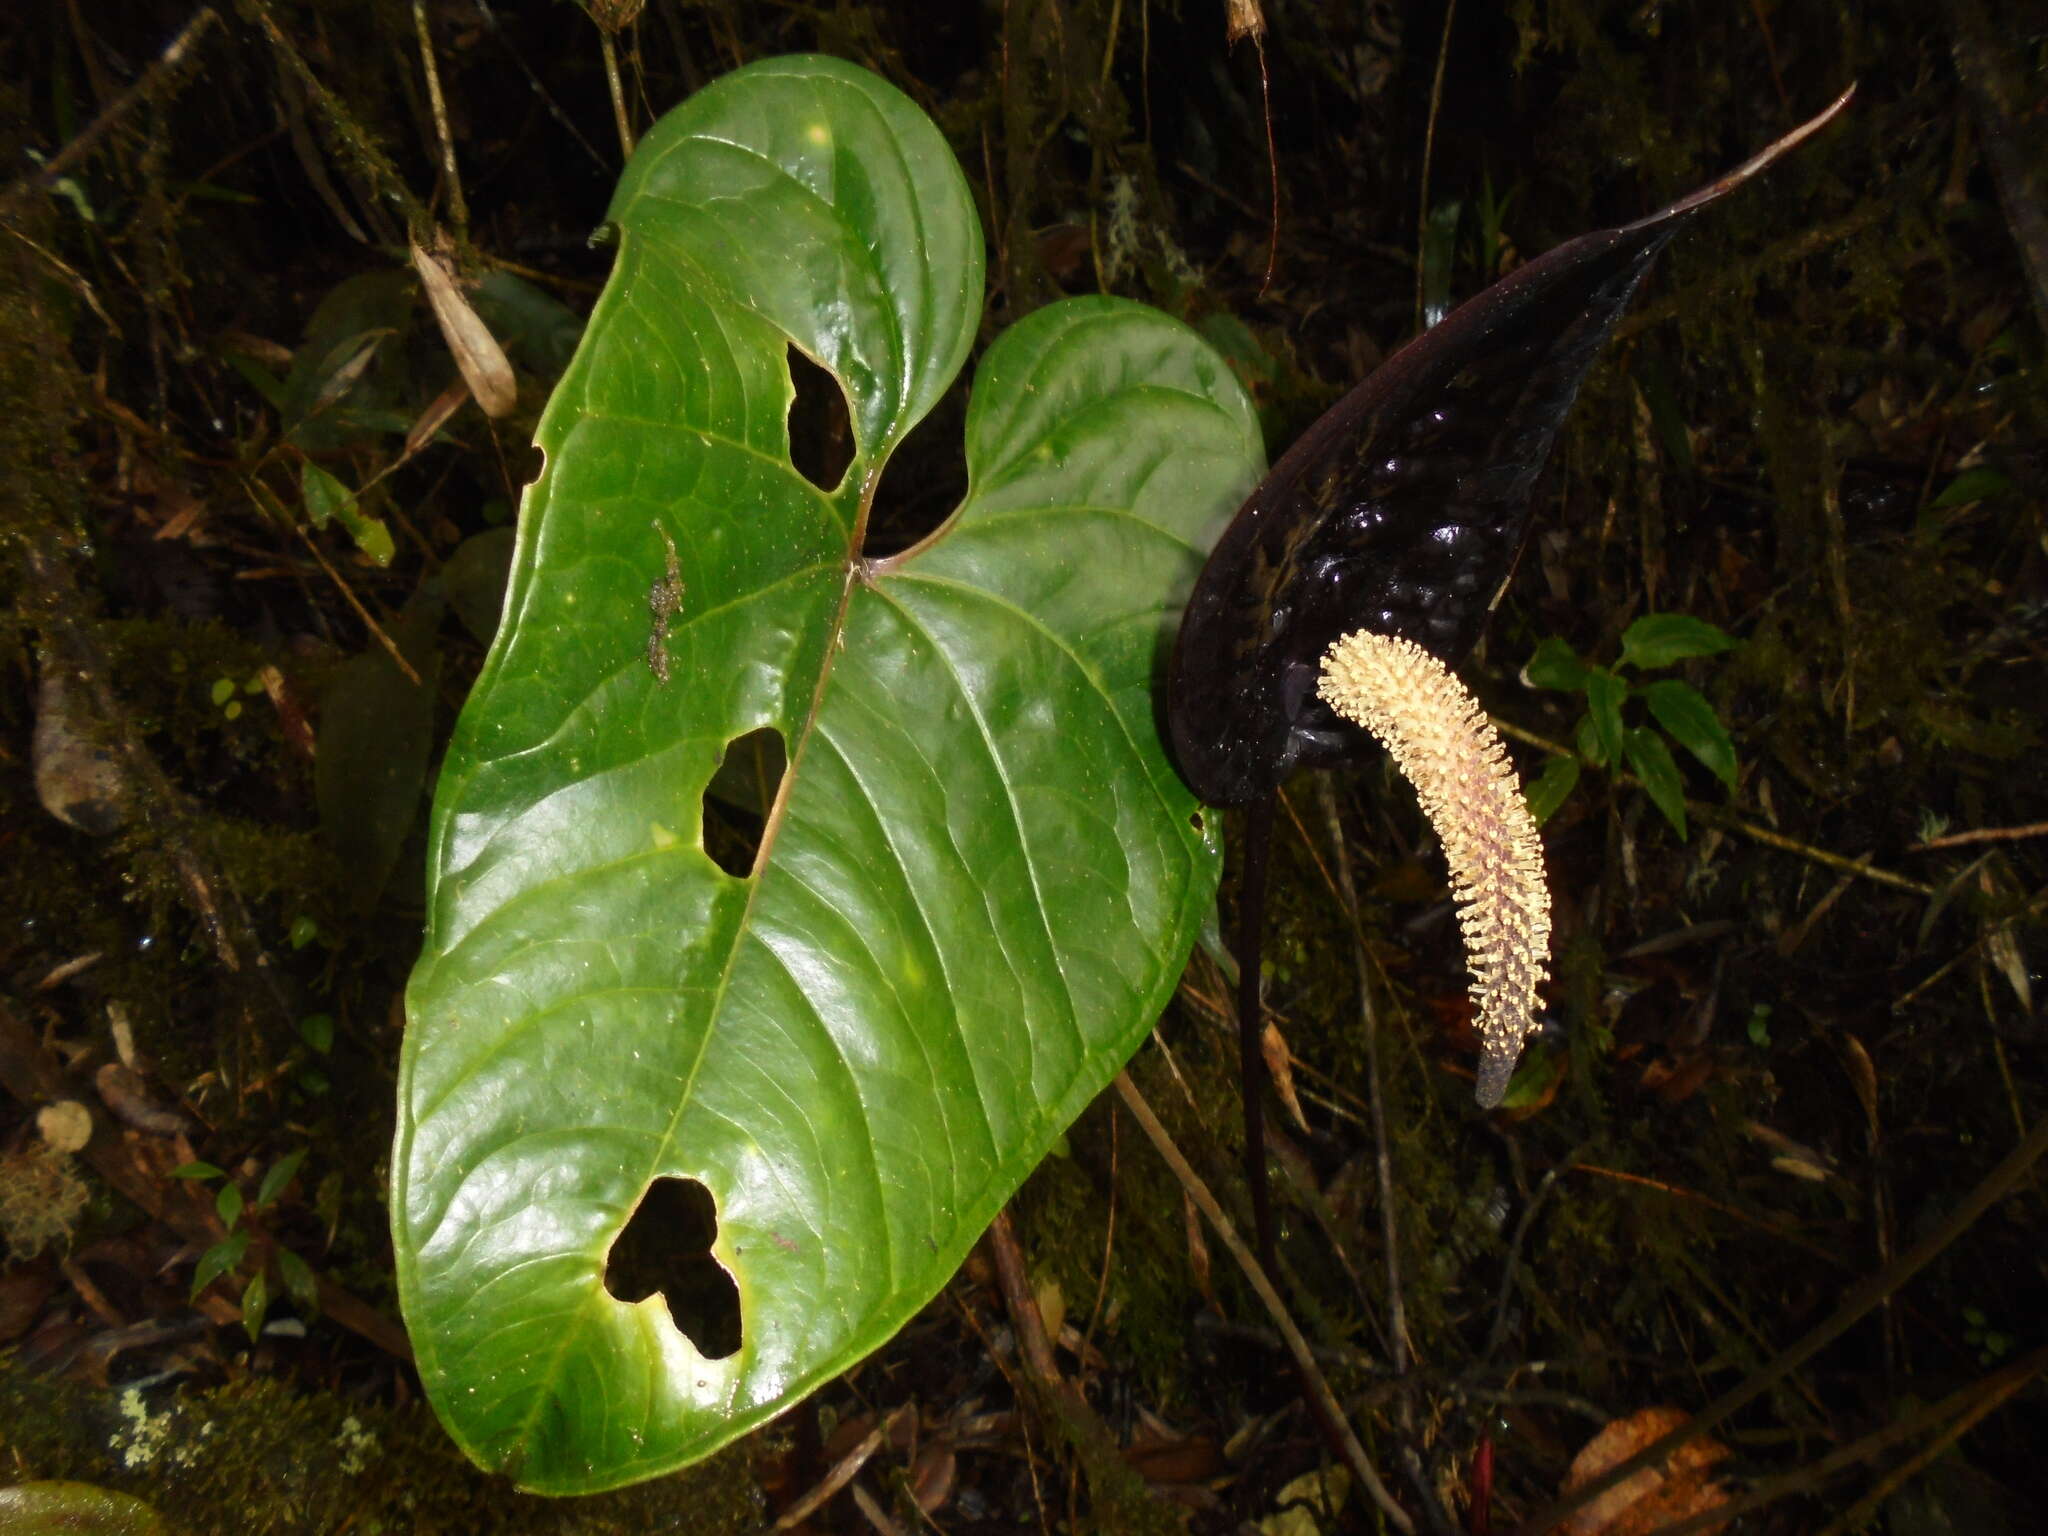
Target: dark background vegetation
[(1786, 1046)]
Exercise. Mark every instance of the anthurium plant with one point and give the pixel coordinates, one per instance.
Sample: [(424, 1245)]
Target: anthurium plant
[(680, 1136), (676, 1141)]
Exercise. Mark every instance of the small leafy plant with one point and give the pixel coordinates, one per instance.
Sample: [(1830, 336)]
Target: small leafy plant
[(1607, 736), (238, 1214)]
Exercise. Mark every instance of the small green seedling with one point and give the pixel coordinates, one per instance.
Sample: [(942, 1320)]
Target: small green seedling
[(1605, 738), (1991, 1344), (226, 1256)]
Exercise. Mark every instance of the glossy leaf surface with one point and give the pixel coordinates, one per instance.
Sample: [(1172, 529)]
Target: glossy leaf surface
[(1402, 509), (979, 876), (75, 1509)]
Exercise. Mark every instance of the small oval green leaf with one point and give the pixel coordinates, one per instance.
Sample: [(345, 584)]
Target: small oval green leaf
[(1659, 639), (1549, 789), (1972, 485), (1604, 695), (328, 500), (1651, 760), (1691, 722), (255, 1304), (1554, 664), (280, 1174), (218, 1260), (299, 1282), (1588, 742)]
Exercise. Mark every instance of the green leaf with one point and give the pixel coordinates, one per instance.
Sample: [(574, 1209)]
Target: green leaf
[(1760, 1026), (1532, 1079), (370, 769), (980, 877), (1604, 695), (198, 1170), (1972, 485), (299, 1282), (1547, 791), (258, 378), (75, 1509), (255, 1304), (351, 368), (1691, 722), (1439, 250), (324, 495), (227, 1204), (474, 579), (1659, 639), (1587, 741), (1554, 664), (538, 330), (1651, 760), (327, 499), (218, 1260), (280, 1174)]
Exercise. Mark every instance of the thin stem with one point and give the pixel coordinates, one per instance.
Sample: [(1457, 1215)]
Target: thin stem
[(1383, 1163), (458, 207), (1436, 101), (1251, 1056), (1317, 1388), (618, 90)]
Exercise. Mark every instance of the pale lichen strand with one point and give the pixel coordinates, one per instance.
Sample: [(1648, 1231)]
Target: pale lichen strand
[(1444, 745)]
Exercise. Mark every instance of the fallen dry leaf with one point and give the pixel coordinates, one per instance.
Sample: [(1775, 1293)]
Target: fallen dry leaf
[(484, 365), (1653, 1497), (1280, 1067)]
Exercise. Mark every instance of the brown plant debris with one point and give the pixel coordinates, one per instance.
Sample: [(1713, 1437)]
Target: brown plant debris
[(1653, 1497)]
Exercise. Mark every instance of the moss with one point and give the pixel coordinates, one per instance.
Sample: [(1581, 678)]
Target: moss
[(253, 1457), (1063, 1216), (41, 1200)]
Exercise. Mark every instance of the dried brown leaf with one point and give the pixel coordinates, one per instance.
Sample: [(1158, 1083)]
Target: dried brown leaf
[(932, 1475), (1654, 1496), (1280, 1067), (1863, 1075), (435, 417), (485, 368)]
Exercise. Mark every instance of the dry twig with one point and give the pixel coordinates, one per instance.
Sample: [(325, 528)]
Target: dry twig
[(1864, 1299), (1297, 1346)]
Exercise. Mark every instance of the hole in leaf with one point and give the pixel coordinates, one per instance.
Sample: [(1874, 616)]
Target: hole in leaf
[(924, 480), (820, 428), (666, 1247), (739, 797)]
